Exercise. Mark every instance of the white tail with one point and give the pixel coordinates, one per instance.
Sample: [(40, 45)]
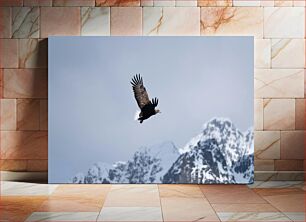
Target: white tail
[(136, 116)]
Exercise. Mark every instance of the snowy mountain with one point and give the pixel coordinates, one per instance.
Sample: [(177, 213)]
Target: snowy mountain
[(98, 173), (219, 154), (147, 165)]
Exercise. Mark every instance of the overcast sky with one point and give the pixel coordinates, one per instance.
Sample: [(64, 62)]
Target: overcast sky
[(92, 107)]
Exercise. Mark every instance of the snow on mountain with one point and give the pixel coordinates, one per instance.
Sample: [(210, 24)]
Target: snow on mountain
[(219, 154), (167, 153), (147, 165)]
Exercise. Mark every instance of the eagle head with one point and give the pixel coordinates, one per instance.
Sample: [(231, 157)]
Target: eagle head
[(157, 111)]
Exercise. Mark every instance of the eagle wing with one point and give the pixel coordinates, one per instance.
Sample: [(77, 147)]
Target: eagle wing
[(140, 92)]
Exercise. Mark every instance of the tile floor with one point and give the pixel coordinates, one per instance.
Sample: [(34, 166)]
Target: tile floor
[(261, 201)]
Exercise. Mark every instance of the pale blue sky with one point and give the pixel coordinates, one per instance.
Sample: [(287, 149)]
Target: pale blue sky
[(92, 107)]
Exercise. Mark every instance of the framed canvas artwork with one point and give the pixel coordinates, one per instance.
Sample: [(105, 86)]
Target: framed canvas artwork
[(151, 110)]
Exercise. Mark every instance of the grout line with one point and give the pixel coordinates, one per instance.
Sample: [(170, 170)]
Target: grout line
[(161, 208), (104, 201), (208, 200)]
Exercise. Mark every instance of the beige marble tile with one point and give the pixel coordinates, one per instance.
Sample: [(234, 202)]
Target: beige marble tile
[(13, 165), (23, 144), (262, 53), (51, 17), (253, 216), (267, 145), (292, 144), (163, 3), (123, 3), (95, 21), (289, 165), (37, 165), (130, 214), (278, 22), (263, 207), (211, 3), (122, 26), (304, 83), (90, 191), (267, 3), (300, 114), (232, 21), (187, 209), (263, 165), (279, 176), (71, 204), (63, 216), (73, 2), (33, 53), (186, 3), (279, 114), (229, 194), (285, 199), (8, 53), (18, 208), (182, 190), (28, 114), (279, 191), (5, 22), (159, 21), (145, 3), (43, 115), (288, 53), (25, 83), (284, 3), (25, 22), (246, 3), (133, 196), (1, 83), (277, 184), (299, 3), (5, 3), (29, 190), (295, 216), (37, 2), (8, 114), (258, 114), (279, 83)]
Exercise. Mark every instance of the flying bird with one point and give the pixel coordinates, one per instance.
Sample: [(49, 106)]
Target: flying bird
[(146, 106)]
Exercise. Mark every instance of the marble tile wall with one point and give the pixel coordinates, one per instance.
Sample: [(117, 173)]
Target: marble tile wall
[(279, 78)]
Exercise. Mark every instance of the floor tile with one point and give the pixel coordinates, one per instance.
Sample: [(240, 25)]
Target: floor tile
[(93, 191), (130, 214), (263, 207), (296, 216), (133, 196), (286, 199), (266, 192), (14, 208), (277, 184), (63, 216), (187, 209), (188, 191), (71, 204), (9, 188), (230, 194), (251, 216)]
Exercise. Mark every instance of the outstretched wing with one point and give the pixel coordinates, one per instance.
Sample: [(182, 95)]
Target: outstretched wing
[(155, 102), (140, 92)]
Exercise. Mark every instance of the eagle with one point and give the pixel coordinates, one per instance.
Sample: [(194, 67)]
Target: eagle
[(146, 106)]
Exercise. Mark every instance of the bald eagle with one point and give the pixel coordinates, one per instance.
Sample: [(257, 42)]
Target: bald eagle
[(146, 106)]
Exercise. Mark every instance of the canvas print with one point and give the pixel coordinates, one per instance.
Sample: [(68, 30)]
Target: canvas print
[(142, 110)]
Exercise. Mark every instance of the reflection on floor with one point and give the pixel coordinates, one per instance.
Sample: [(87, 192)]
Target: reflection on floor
[(262, 201)]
